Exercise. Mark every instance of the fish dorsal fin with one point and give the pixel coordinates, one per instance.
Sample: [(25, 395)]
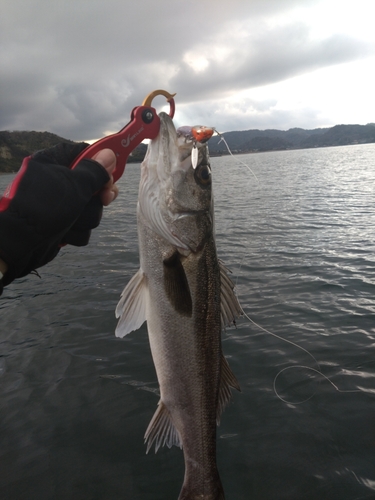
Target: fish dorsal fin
[(230, 307), (227, 380), (161, 430), (176, 285), (131, 308)]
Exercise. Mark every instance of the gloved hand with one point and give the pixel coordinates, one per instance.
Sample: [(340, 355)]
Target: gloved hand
[(48, 205)]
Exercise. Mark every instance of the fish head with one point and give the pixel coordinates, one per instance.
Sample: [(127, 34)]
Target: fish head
[(175, 199)]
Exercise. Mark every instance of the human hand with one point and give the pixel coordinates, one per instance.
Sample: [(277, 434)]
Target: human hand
[(107, 158), (48, 206)]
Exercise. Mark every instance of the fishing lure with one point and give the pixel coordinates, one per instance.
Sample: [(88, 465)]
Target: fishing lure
[(198, 133)]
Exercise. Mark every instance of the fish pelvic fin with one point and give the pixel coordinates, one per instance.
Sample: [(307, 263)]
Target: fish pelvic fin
[(161, 430), (131, 308), (227, 380), (230, 307)]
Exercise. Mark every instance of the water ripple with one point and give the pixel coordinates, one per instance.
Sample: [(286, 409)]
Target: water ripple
[(76, 400)]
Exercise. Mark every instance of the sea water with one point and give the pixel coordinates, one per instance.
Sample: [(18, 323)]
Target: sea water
[(300, 240)]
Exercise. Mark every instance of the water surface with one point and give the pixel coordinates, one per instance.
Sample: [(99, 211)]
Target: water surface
[(75, 401)]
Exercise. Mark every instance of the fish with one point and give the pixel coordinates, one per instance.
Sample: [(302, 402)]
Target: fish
[(185, 294)]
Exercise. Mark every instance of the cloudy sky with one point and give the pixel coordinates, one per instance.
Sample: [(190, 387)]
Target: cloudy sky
[(78, 67)]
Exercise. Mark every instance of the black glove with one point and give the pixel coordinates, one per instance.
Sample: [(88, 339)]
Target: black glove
[(47, 206)]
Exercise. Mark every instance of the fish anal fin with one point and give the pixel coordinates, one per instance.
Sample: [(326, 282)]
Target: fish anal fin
[(131, 308), (227, 380), (161, 430), (176, 285)]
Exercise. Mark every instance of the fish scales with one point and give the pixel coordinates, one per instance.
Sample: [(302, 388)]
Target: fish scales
[(179, 290), (188, 368)]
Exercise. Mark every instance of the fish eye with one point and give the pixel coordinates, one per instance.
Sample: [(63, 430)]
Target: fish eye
[(202, 174)]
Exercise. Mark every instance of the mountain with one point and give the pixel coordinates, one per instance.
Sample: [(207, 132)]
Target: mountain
[(14, 146), (295, 138)]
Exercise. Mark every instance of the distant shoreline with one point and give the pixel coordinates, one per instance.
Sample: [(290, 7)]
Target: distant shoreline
[(216, 154)]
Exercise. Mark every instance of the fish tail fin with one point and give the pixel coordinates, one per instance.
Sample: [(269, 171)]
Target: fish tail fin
[(210, 490), (161, 430)]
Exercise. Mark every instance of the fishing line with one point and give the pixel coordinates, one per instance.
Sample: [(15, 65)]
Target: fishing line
[(293, 367), (232, 155)]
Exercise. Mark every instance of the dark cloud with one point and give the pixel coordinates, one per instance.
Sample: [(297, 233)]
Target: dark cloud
[(78, 67), (279, 55)]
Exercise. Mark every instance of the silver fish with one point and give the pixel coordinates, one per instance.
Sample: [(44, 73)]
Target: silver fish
[(184, 293)]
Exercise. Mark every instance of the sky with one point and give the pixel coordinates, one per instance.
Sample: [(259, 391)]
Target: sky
[(78, 67)]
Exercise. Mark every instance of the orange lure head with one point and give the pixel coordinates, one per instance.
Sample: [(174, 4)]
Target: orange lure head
[(198, 133), (201, 133)]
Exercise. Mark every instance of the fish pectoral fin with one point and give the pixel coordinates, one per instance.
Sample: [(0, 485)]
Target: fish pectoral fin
[(176, 285), (161, 430), (227, 380), (131, 308), (230, 307)]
